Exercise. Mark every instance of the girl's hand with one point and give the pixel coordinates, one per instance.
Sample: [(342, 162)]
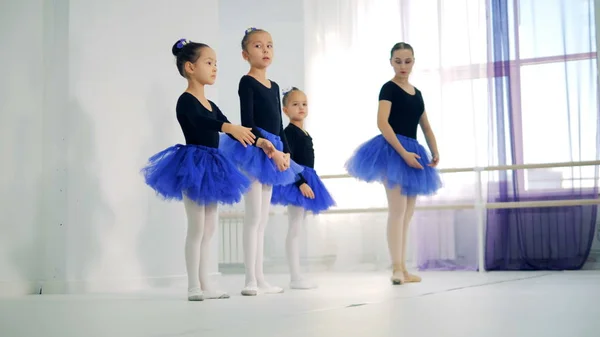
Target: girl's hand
[(287, 159), (279, 158), (266, 146), (243, 134), (411, 160), (434, 160), (307, 192)]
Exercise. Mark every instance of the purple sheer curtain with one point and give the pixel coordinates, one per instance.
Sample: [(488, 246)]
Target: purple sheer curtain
[(553, 238)]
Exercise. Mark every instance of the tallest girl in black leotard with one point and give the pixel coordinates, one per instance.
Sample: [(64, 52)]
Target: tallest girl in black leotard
[(268, 163), (396, 159)]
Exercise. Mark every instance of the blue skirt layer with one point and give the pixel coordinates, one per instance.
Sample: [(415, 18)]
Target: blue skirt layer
[(291, 195), (377, 161), (254, 162), (203, 173)]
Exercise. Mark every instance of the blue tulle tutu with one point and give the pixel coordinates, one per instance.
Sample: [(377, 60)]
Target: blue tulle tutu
[(254, 162), (291, 195), (377, 161), (203, 173)]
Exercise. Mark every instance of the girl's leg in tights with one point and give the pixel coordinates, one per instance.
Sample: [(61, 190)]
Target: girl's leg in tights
[(263, 285), (252, 205), (193, 240), (410, 210), (397, 207), (257, 202), (211, 219), (296, 217)]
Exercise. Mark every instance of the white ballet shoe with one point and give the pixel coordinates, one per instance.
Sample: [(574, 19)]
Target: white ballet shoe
[(266, 288), (215, 295), (195, 294), (250, 290), (303, 284)]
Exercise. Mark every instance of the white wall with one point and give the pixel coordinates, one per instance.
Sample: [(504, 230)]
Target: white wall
[(88, 94), (21, 113), (123, 89)]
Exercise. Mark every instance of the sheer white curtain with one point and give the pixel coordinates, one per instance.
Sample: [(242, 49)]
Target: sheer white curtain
[(347, 51)]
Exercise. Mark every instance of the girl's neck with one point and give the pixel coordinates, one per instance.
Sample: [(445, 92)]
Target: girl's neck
[(196, 89), (299, 123), (401, 80), (259, 74)]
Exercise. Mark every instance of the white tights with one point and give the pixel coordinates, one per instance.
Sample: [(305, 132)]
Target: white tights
[(202, 222), (257, 203), (296, 217), (400, 211)]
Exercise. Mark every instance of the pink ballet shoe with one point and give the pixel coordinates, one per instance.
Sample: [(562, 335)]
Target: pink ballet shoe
[(397, 276), (411, 278)]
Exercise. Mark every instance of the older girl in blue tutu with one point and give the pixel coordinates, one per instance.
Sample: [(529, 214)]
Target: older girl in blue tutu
[(396, 159), (308, 193), (268, 163), (198, 173)]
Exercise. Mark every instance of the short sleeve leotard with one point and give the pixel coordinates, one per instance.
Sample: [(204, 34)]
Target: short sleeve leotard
[(261, 108), (200, 126), (406, 110), (377, 160)]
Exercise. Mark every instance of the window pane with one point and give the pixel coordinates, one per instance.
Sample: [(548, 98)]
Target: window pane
[(446, 33), (463, 32), (556, 27), (560, 117)]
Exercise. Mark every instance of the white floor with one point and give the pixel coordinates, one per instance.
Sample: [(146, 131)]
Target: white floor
[(461, 304)]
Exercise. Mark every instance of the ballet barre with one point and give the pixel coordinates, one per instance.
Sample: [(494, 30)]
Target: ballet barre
[(494, 168), (480, 204)]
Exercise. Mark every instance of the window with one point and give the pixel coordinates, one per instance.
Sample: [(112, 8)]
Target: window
[(551, 28), (554, 90)]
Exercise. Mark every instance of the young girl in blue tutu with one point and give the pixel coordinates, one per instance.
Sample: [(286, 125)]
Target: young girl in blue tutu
[(308, 193), (198, 173), (396, 159), (267, 163)]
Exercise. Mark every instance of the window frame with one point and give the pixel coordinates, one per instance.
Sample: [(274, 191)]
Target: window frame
[(515, 65)]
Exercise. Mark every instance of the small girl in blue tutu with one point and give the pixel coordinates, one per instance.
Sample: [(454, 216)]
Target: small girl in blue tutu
[(396, 159), (198, 173), (267, 163), (308, 193)]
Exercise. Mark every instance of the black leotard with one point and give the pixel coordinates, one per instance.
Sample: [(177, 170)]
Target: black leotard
[(199, 125), (406, 110), (301, 148), (261, 107)]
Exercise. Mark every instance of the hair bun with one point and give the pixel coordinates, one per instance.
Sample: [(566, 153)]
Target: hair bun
[(178, 46)]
